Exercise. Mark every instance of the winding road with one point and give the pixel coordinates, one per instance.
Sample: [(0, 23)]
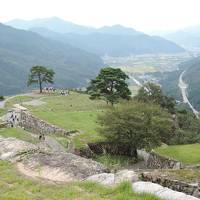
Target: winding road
[(183, 86), (138, 83)]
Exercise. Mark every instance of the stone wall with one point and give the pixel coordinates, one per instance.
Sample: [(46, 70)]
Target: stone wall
[(156, 161), (38, 126), (111, 148), (152, 159), (188, 188)]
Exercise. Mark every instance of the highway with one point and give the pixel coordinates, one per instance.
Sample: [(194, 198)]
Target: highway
[(183, 87)]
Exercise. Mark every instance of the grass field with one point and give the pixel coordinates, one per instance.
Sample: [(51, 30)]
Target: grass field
[(115, 162), (2, 112), (14, 186), (73, 112), (17, 100), (188, 154), (19, 134)]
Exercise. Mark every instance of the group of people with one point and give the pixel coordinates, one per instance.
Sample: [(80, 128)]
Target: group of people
[(64, 92), (49, 89)]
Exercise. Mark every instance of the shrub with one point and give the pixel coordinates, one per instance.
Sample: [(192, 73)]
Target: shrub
[(136, 125)]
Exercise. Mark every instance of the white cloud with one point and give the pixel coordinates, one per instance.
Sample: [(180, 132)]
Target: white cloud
[(143, 15)]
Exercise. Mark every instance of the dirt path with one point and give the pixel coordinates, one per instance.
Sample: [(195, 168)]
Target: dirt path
[(2, 103)]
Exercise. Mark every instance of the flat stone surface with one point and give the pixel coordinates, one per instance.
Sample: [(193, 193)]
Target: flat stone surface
[(104, 179), (126, 175), (111, 179), (55, 166), (60, 166), (11, 147), (160, 191)]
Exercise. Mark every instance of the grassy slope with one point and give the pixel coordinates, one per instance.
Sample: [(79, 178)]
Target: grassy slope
[(188, 154), (77, 111), (2, 112), (19, 134), (17, 100), (74, 112), (14, 186), (115, 162)]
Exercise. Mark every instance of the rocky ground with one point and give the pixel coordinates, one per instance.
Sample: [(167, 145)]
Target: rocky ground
[(35, 162)]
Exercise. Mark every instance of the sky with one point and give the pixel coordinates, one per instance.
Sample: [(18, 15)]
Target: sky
[(143, 15)]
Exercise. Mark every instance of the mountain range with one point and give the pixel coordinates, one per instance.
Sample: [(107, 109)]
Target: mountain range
[(73, 51), (114, 40), (188, 37)]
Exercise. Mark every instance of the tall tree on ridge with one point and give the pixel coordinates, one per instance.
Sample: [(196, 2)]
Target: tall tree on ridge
[(110, 85), (40, 75)]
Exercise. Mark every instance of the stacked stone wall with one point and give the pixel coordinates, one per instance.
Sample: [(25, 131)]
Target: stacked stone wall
[(188, 188), (156, 161), (38, 126)]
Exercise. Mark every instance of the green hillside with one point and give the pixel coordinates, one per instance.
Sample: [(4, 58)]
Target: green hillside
[(20, 50)]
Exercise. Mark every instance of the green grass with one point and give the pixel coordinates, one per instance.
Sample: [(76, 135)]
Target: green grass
[(14, 186), (188, 154), (115, 162), (17, 100), (64, 141), (2, 112), (19, 134), (73, 112)]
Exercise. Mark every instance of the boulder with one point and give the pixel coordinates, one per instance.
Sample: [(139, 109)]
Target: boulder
[(126, 175)]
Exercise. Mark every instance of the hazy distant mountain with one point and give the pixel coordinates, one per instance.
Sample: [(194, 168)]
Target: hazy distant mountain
[(114, 44), (109, 40), (118, 30), (20, 50), (188, 37), (54, 24)]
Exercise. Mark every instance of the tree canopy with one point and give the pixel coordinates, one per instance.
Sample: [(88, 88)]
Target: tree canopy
[(109, 85), (151, 92), (137, 125), (40, 75)]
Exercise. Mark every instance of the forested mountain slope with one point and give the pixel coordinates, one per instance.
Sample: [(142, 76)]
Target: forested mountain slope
[(191, 76), (20, 50)]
